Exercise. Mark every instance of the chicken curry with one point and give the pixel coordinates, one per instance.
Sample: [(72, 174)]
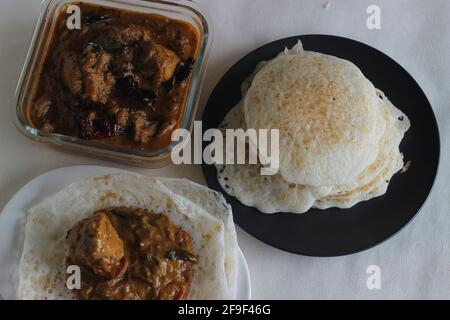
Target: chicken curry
[(121, 79), (131, 254)]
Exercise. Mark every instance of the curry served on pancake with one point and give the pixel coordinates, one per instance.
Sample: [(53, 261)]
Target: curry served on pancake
[(131, 254), (121, 79)]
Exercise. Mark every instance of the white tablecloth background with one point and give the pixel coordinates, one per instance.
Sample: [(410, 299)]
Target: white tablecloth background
[(415, 264)]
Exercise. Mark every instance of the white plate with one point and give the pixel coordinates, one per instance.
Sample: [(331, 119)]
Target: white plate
[(12, 222)]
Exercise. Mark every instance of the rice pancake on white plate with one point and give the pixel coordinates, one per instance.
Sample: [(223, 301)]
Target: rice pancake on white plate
[(195, 224), (360, 147)]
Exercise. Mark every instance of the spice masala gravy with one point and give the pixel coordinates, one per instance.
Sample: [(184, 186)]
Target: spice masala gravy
[(122, 79), (131, 254)]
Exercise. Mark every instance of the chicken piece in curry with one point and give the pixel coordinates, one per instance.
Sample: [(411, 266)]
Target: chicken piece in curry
[(131, 254), (121, 79)]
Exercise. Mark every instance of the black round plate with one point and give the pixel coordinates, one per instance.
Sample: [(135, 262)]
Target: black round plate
[(336, 232)]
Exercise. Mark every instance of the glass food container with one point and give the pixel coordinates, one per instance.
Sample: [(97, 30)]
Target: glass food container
[(182, 10)]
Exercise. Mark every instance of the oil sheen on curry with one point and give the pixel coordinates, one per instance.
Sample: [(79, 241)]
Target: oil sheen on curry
[(121, 79), (131, 254)]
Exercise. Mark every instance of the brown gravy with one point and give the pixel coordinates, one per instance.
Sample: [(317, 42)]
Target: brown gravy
[(122, 79), (131, 254)]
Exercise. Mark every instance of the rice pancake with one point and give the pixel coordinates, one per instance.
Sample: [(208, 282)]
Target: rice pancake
[(202, 216), (327, 113), (374, 181), (270, 194)]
